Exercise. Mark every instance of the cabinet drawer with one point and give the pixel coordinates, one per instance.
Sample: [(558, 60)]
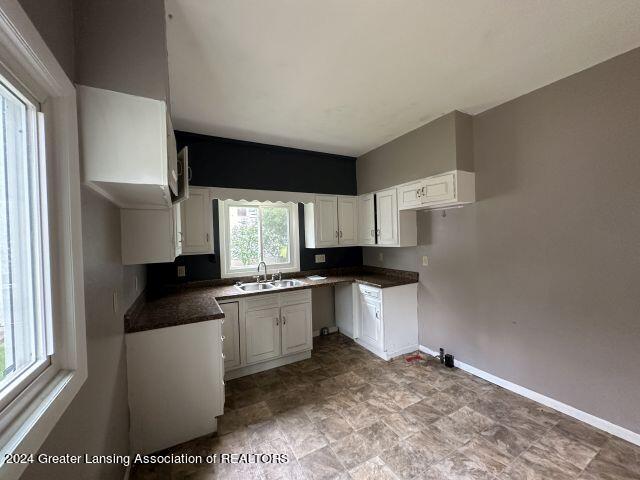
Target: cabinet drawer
[(298, 296), (371, 293), (262, 301)]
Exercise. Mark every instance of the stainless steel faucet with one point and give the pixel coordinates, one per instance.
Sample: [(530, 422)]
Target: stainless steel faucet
[(265, 271)]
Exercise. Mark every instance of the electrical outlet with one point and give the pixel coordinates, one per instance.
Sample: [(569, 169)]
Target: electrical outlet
[(425, 261), (381, 256), (182, 271), (320, 259), (115, 301)]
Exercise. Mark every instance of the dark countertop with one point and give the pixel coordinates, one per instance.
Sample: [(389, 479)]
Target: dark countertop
[(199, 302)]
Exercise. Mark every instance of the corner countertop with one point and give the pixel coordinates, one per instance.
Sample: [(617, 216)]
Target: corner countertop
[(198, 302)]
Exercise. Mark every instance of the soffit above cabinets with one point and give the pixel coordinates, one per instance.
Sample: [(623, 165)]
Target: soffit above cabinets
[(347, 76)]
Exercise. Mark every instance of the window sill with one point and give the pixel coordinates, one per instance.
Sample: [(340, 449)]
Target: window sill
[(32, 419)]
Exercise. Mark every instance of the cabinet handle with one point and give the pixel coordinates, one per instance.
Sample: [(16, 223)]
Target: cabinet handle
[(189, 174), (378, 231), (377, 314), (284, 320), (419, 193), (424, 191), (336, 233), (223, 357), (277, 321), (340, 233), (222, 338), (373, 233), (207, 238)]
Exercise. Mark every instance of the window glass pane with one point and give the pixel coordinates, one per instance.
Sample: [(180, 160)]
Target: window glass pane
[(21, 318), (244, 237), (275, 235)]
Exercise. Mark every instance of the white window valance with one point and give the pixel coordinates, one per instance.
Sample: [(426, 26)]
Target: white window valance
[(273, 196)]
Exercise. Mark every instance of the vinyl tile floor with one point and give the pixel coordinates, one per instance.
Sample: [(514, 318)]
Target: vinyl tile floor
[(346, 414)]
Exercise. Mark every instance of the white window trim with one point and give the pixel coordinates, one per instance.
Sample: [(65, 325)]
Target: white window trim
[(26, 422), (294, 239)]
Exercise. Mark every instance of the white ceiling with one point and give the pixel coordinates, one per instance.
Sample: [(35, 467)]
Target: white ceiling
[(345, 76)]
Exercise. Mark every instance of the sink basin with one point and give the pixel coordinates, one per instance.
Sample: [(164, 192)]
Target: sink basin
[(254, 287), (286, 283)]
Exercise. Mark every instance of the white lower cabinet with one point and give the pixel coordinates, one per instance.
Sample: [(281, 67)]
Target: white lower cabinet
[(231, 335), (296, 328), (385, 320), (175, 380), (263, 334), (273, 329), (370, 323)]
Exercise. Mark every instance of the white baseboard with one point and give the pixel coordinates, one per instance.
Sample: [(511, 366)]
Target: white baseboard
[(316, 333), (585, 417)]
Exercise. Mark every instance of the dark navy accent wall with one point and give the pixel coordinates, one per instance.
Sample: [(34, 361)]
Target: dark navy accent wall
[(222, 162)]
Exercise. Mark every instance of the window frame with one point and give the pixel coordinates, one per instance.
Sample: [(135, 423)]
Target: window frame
[(33, 413), (43, 281), (294, 238)]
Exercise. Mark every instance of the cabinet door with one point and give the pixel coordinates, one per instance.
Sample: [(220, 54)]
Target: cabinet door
[(387, 217), (326, 223), (231, 335), (347, 220), (197, 222), (263, 334), (296, 328), (366, 220), (440, 188), (410, 195), (177, 229), (370, 322), (148, 236)]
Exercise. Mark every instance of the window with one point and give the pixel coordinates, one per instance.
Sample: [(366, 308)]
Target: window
[(254, 232), (23, 314), (41, 263)]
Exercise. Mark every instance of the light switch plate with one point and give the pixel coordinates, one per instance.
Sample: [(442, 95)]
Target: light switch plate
[(182, 271), (425, 261), (320, 258)]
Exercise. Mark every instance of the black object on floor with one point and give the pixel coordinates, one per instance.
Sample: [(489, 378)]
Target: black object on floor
[(441, 355), (448, 360)]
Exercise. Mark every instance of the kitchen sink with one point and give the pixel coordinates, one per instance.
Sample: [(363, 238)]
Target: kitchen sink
[(286, 283), (254, 287)]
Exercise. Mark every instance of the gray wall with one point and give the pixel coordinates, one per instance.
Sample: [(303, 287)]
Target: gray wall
[(537, 282), (97, 421), (439, 146), (122, 46)]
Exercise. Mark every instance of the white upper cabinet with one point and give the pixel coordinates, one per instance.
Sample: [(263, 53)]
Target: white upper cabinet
[(326, 221), (387, 217), (366, 220), (395, 228), (439, 191), (197, 222), (150, 235), (347, 221), (409, 194), (128, 148), (331, 221)]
